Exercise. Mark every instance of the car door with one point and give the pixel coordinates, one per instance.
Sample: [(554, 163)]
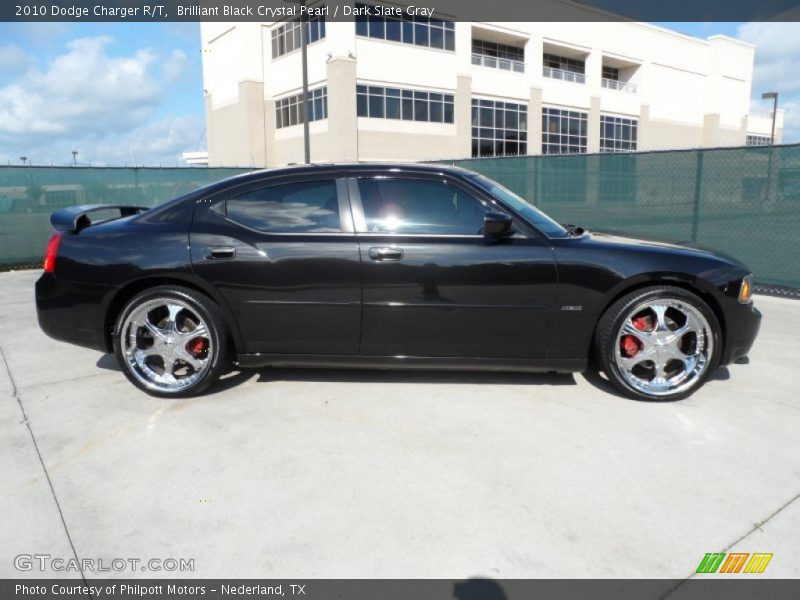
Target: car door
[(283, 254), (434, 285)]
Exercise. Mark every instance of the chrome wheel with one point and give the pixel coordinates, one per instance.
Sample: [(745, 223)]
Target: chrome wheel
[(166, 345), (663, 346)]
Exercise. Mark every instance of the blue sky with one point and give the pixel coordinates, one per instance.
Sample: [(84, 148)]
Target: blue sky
[(132, 93), (118, 93)]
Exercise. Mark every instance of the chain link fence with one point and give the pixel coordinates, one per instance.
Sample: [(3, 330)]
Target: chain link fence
[(744, 202), (28, 195), (741, 201)]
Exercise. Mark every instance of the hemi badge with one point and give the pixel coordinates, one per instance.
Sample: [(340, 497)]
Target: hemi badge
[(572, 307)]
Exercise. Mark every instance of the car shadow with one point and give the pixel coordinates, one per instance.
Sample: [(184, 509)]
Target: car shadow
[(108, 362), (268, 375), (273, 374)]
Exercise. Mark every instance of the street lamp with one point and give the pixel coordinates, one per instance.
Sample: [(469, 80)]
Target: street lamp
[(774, 97), (74, 157), (304, 54)]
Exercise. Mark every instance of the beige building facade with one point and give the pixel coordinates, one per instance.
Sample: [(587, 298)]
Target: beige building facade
[(395, 90)]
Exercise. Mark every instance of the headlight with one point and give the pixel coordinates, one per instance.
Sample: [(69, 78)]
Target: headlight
[(746, 290)]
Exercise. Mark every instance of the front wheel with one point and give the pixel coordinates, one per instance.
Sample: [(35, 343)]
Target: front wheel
[(658, 343), (171, 342)]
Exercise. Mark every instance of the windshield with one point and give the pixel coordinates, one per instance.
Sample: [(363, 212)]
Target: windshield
[(532, 214)]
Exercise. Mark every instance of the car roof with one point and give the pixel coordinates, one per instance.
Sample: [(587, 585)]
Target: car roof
[(349, 168), (336, 169)]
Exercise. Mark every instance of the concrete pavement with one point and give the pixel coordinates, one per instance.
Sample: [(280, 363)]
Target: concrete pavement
[(291, 473)]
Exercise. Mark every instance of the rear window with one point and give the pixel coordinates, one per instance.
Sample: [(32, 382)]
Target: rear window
[(301, 207)]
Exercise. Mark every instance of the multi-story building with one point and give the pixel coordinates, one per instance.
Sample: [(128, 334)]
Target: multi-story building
[(402, 89)]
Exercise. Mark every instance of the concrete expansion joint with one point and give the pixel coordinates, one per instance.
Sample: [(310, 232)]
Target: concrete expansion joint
[(756, 527), (15, 394)]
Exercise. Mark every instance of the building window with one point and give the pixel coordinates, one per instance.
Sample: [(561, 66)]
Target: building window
[(499, 128), (758, 140), (563, 131), (303, 207), (419, 31), (290, 111), (610, 73), (408, 105), (566, 69), (498, 56), (286, 38), (618, 134)]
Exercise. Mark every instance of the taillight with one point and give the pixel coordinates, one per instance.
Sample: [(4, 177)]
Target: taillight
[(51, 252)]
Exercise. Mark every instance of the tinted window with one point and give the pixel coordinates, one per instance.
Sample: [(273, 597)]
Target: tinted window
[(305, 207), (420, 206), (526, 209)]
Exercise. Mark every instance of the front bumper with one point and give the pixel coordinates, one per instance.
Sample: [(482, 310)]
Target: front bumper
[(742, 328)]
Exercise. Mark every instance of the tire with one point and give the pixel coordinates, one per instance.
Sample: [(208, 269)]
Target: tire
[(658, 343), (172, 342)]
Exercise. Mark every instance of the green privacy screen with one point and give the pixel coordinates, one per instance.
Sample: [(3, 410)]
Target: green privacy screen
[(29, 194), (744, 202), (741, 201)]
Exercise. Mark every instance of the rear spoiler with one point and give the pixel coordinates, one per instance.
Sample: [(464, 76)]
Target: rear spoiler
[(76, 218)]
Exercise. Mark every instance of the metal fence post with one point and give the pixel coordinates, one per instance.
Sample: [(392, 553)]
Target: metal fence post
[(698, 185)]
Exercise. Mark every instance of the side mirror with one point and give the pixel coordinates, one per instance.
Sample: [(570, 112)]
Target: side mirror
[(497, 225)]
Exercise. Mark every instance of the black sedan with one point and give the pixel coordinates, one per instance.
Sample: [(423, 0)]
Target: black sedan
[(387, 266)]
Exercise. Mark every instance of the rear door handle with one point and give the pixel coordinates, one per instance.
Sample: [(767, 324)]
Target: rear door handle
[(385, 253), (220, 252)]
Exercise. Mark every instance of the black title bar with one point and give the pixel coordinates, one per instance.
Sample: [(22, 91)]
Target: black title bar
[(701, 588), (457, 10)]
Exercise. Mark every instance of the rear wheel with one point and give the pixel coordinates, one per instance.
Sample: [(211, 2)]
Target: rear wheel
[(171, 342), (658, 343)]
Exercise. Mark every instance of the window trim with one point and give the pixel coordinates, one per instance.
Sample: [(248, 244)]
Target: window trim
[(522, 109), (447, 101), (762, 140), (447, 26), (583, 116), (623, 121), (285, 24), (346, 216), (521, 227), (297, 100)]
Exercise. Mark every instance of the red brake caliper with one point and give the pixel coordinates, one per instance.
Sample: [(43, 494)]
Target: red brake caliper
[(197, 346), (630, 344)]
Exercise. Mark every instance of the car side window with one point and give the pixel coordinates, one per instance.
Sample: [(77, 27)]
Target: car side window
[(301, 207), (420, 206)]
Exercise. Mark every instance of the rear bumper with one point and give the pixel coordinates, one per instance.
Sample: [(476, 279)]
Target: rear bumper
[(71, 312), (742, 328)]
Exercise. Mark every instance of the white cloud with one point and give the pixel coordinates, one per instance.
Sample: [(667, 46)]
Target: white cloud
[(776, 65), (81, 92), (104, 106), (176, 66), (13, 59), (160, 141)]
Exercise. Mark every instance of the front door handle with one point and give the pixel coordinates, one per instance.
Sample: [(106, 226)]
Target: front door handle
[(385, 253), (220, 252)]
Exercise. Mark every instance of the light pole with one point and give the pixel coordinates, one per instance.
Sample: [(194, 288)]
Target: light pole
[(304, 54), (74, 157), (774, 97)]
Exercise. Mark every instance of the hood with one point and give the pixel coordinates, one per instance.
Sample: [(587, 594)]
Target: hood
[(611, 239)]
